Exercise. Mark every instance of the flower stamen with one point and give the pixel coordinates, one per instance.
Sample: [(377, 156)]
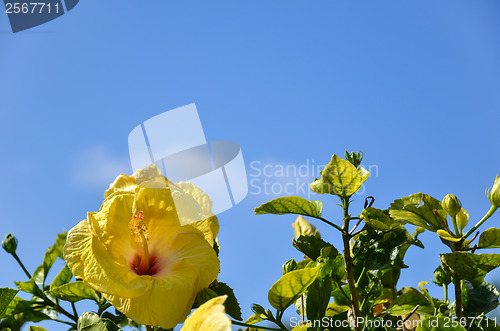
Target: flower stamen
[(143, 264)]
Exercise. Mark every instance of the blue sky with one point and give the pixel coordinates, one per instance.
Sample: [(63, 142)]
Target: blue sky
[(413, 84)]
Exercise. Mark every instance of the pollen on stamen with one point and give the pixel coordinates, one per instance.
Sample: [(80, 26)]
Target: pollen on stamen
[(138, 227)]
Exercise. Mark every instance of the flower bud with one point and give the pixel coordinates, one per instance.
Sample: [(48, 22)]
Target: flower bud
[(494, 193), (441, 278), (289, 265), (258, 309), (462, 219), (9, 243), (301, 227), (354, 157), (451, 205)]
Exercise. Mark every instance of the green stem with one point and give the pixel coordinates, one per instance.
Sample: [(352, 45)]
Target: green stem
[(42, 294), (455, 226), (342, 291), (103, 308), (58, 308), (278, 321), (349, 265), (445, 287), (64, 322), (21, 265), (458, 297), (361, 276), (254, 326), (330, 223), (74, 309), (485, 217)]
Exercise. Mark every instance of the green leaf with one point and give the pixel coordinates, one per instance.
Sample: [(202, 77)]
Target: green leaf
[(490, 238), (379, 220), (425, 292), (90, 322), (335, 309), (338, 267), (311, 246), (340, 177), (231, 304), (6, 297), (52, 253), (74, 292), (291, 205), (439, 324), (63, 277), (482, 299), (290, 286), (28, 287), (110, 325), (482, 323), (470, 266), (203, 296), (418, 209), (318, 296), (21, 311), (407, 301), (377, 249), (36, 328)]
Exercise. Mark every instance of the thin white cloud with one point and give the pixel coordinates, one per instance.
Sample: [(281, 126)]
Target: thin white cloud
[(98, 166)]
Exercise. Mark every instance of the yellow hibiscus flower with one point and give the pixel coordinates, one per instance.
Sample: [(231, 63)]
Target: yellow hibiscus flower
[(141, 257), (193, 205), (210, 316)]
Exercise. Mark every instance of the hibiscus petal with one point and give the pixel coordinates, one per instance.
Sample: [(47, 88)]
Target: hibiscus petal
[(121, 183), (89, 260), (190, 246), (210, 316), (111, 225), (167, 303)]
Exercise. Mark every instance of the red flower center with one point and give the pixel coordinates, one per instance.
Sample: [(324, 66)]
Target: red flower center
[(141, 268)]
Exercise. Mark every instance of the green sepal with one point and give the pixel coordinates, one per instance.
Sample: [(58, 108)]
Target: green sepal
[(91, 322)]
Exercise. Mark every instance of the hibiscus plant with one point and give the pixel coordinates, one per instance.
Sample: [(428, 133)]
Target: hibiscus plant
[(150, 255)]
